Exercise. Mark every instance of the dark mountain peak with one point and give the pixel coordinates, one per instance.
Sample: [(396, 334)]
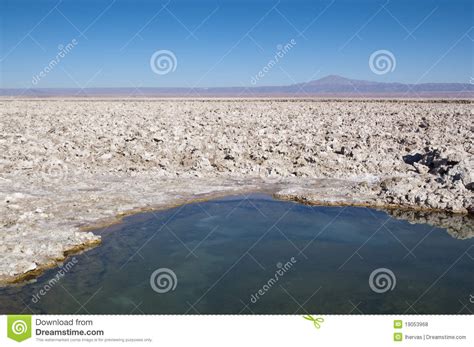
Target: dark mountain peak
[(331, 79), (331, 85), (335, 84)]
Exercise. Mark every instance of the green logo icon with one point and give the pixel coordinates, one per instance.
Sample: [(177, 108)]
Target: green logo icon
[(397, 324), (19, 327), (316, 321), (398, 337)]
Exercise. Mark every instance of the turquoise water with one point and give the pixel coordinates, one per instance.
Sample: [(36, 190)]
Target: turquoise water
[(302, 259)]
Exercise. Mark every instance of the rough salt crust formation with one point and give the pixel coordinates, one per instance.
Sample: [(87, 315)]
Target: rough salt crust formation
[(68, 164)]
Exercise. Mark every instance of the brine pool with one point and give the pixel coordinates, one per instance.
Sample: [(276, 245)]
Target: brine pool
[(254, 254)]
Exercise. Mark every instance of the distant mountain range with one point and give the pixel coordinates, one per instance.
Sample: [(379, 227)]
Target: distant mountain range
[(329, 86)]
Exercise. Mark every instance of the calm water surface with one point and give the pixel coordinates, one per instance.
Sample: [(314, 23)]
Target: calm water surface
[(224, 252)]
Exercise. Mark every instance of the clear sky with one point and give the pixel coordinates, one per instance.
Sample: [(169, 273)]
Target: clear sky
[(226, 43)]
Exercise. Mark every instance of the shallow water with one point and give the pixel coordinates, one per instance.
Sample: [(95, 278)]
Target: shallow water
[(224, 251)]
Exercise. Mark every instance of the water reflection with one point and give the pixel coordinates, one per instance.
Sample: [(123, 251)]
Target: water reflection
[(231, 256)]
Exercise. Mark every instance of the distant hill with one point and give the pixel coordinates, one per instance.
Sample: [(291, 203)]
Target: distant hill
[(329, 86)]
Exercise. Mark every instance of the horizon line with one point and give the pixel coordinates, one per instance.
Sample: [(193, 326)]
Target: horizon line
[(340, 77)]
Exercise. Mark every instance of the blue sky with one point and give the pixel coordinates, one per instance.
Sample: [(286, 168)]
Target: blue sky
[(226, 43)]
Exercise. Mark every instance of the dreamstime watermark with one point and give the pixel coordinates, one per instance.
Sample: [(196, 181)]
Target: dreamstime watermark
[(282, 270), (63, 270), (163, 62), (63, 51), (382, 280), (54, 170), (19, 327), (282, 50), (382, 62), (163, 280)]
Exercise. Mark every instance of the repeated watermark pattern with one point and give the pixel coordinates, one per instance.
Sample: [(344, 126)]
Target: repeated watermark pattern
[(63, 51), (282, 270), (54, 170), (382, 62), (163, 62), (282, 51), (63, 270), (163, 280), (382, 280)]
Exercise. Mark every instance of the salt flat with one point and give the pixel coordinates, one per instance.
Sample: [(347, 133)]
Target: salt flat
[(74, 163)]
